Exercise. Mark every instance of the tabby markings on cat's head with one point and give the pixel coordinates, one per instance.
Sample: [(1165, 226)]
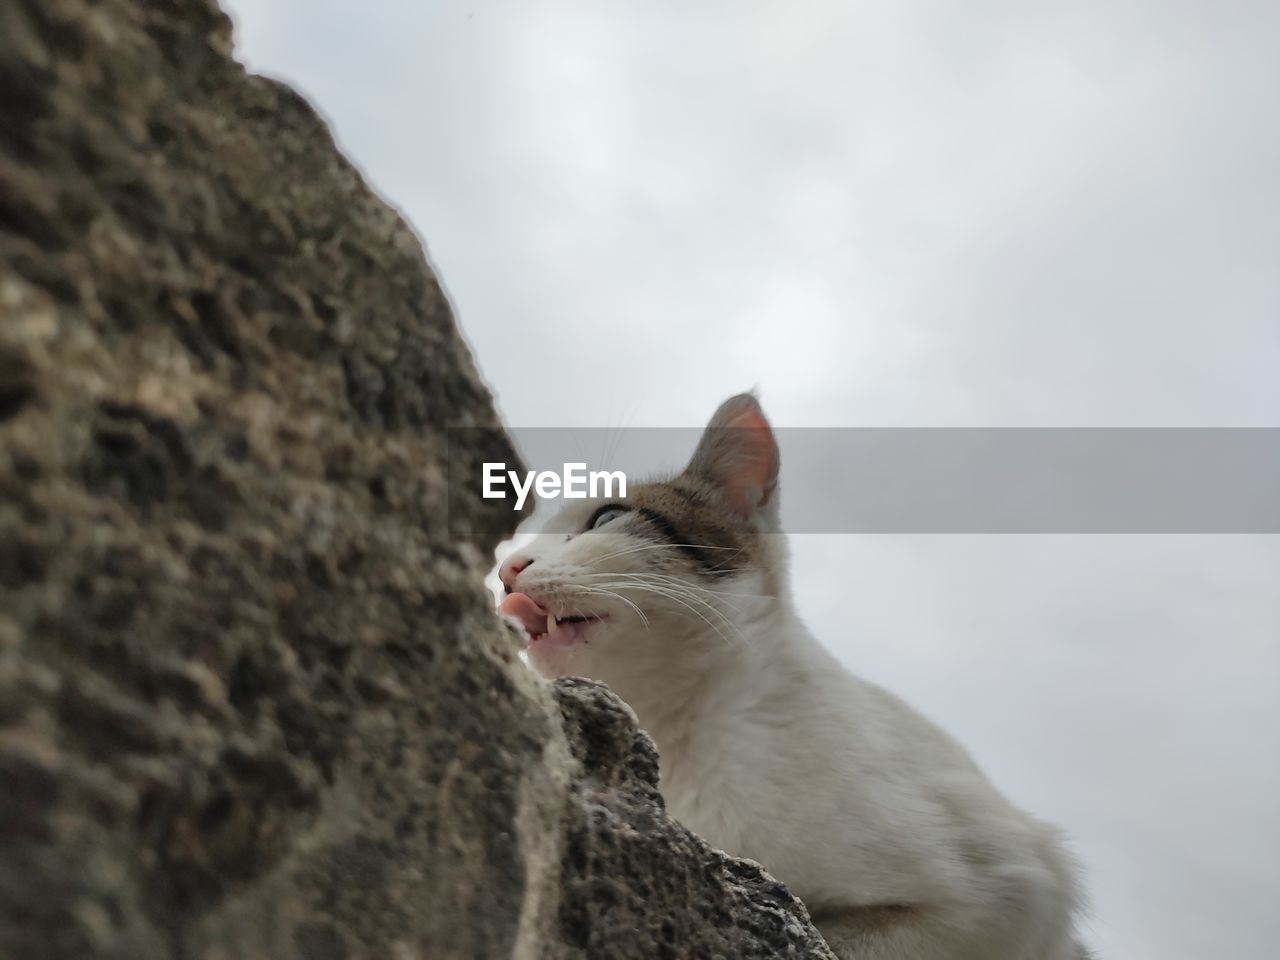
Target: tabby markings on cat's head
[(675, 562)]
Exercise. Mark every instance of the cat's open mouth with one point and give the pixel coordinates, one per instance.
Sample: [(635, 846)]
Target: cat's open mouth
[(540, 624)]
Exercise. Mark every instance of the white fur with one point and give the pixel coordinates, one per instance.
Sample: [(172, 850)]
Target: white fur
[(771, 750)]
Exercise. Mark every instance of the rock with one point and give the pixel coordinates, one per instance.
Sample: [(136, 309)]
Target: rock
[(634, 883), (254, 702)]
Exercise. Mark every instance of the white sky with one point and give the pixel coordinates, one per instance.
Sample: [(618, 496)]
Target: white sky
[(906, 213)]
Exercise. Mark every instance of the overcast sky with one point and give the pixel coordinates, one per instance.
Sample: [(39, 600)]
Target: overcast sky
[(899, 213)]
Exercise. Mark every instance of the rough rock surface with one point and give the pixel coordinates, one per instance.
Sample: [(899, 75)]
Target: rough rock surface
[(254, 702)]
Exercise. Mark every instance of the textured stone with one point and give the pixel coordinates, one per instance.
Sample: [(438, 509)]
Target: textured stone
[(636, 884), (254, 702)]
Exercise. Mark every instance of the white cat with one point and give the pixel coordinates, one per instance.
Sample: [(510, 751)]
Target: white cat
[(677, 598)]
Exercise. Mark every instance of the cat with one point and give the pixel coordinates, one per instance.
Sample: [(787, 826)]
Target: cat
[(677, 597)]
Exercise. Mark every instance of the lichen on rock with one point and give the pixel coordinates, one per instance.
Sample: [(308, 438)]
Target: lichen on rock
[(254, 702)]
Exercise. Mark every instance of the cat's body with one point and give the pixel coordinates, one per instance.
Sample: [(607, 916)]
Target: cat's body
[(769, 748)]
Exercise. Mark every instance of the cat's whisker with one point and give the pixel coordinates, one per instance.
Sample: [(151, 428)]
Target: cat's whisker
[(691, 586), (672, 582), (614, 443), (601, 591), (687, 600), (684, 602), (679, 583), (660, 546)]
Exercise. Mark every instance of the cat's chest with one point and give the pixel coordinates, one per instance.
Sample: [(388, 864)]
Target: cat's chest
[(710, 785)]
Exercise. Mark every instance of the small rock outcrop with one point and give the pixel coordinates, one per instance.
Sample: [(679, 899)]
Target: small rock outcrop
[(254, 702)]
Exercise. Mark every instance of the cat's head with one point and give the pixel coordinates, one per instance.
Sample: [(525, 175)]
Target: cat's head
[(678, 567)]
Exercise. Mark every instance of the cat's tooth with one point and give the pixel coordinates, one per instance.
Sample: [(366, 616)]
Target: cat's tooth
[(552, 625)]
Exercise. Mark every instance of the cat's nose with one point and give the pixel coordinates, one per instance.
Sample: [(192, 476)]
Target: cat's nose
[(510, 569)]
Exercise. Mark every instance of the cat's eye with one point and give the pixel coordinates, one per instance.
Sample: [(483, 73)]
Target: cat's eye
[(606, 513)]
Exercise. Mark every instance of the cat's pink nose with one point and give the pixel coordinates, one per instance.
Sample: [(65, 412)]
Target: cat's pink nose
[(510, 569)]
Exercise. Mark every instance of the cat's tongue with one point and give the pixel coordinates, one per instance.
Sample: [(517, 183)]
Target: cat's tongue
[(522, 607)]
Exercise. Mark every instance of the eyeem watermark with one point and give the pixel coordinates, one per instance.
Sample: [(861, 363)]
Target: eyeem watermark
[(1023, 480), (574, 482)]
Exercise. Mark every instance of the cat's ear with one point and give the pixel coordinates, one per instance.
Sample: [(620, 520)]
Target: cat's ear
[(738, 453)]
